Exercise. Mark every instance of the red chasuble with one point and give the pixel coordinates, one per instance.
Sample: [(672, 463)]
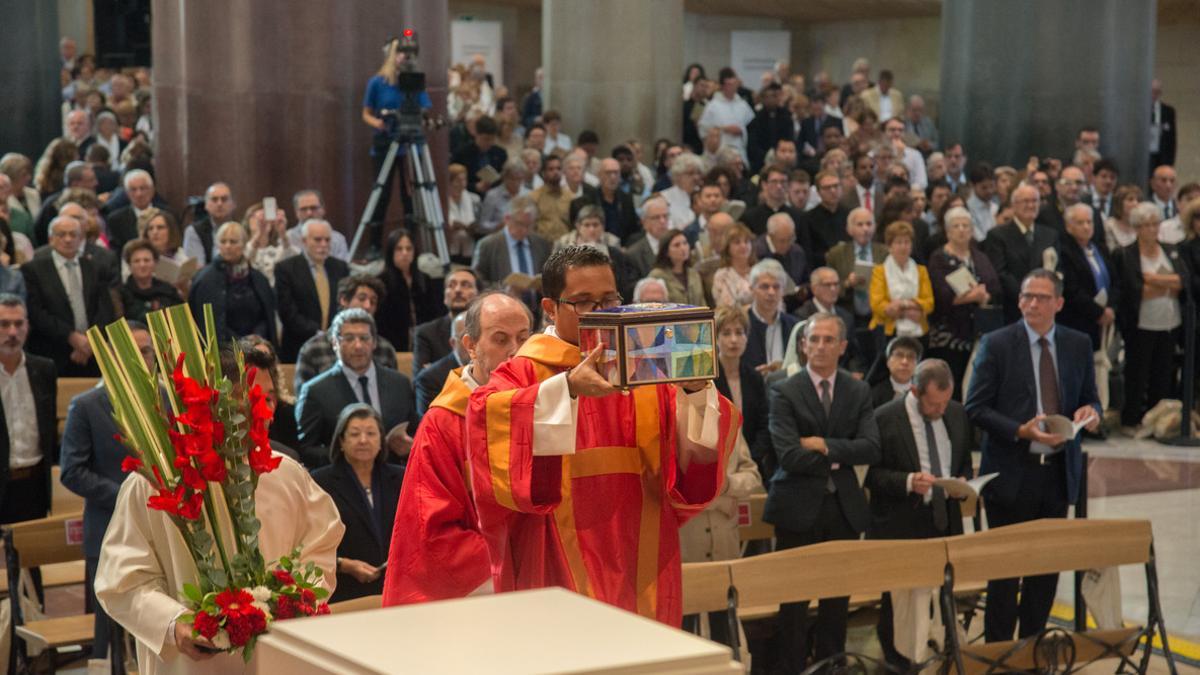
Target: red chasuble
[(603, 521), (437, 551)]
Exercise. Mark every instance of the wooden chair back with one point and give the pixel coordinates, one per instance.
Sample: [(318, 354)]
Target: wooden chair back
[(706, 587), (404, 363), (69, 388), (62, 500), (839, 568), (45, 541), (287, 376), (1047, 546)]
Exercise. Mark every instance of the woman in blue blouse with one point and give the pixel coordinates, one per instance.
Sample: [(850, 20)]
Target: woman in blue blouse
[(383, 94)]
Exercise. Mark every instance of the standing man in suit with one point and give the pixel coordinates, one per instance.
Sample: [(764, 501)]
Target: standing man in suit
[(305, 286), (91, 459), (855, 295), (218, 208), (821, 427), (770, 326), (355, 379), (69, 292), (656, 220), (1163, 134), (431, 339), (886, 101), (924, 436), (515, 248), (428, 383), (122, 223), (1020, 245), (1024, 372)]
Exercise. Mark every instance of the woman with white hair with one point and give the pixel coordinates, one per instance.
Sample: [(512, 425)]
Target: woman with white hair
[(959, 296), (686, 173), (242, 299), (1152, 286)]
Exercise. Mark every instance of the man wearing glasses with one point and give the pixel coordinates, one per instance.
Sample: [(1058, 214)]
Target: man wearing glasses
[(308, 203), (579, 485), (825, 223), (1072, 186), (1025, 372)]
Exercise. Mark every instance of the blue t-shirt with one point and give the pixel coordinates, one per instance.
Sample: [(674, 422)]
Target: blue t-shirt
[(383, 96)]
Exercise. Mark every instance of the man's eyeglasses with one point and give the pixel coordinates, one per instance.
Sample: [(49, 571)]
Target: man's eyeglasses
[(1036, 297), (588, 305)]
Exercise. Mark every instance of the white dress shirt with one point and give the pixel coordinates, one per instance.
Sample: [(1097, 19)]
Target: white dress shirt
[(774, 341), (372, 385), (21, 415)]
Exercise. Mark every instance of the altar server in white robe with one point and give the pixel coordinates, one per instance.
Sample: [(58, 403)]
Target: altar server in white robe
[(144, 563)]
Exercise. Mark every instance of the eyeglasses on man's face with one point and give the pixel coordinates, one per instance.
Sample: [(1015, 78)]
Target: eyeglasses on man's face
[(585, 305)]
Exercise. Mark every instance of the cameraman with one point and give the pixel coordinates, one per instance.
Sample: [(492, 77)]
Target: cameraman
[(384, 94)]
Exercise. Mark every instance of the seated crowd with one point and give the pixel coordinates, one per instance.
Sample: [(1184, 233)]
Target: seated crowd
[(832, 230)]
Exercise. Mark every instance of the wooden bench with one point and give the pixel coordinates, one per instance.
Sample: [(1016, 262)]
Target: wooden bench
[(1046, 547), (69, 388), (38, 543), (356, 605)]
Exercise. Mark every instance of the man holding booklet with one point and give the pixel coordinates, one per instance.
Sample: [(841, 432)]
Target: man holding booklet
[(1026, 374)]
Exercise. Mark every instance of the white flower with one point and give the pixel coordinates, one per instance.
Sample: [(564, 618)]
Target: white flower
[(261, 593), (266, 610), (221, 640)]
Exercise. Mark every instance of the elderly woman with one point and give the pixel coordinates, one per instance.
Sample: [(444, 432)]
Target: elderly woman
[(462, 213), (1152, 285), (901, 295), (1118, 231), (411, 297), (953, 325), (365, 488), (731, 281), (269, 242), (686, 172), (142, 292), (713, 534), (674, 266), (495, 202), (649, 290), (242, 299)]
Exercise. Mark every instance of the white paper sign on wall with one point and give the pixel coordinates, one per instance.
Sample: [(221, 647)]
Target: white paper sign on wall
[(751, 52), (468, 38)]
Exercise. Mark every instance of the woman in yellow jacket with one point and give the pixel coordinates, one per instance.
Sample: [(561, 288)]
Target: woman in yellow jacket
[(901, 295)]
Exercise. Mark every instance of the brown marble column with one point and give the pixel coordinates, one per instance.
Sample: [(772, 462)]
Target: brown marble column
[(267, 95)]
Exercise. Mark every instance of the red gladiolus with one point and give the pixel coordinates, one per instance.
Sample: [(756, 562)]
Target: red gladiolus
[(212, 467), (190, 509), (192, 478), (206, 625), (262, 461), (130, 463), (166, 500), (307, 596)]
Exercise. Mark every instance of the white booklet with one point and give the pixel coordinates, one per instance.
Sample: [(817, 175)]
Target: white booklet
[(961, 280), (174, 272), (864, 269), (957, 488), (1063, 426)]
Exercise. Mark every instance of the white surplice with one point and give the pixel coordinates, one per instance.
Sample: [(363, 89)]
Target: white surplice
[(144, 561)]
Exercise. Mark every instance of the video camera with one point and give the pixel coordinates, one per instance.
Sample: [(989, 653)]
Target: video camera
[(405, 123)]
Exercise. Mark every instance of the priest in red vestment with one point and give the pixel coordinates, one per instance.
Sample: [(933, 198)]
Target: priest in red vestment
[(582, 486), (437, 551)]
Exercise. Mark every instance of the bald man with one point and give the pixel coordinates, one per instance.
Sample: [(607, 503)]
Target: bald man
[(1020, 245)]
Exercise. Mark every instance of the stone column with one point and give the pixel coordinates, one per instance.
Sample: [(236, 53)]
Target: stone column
[(267, 95), (29, 68), (615, 66), (1021, 77)]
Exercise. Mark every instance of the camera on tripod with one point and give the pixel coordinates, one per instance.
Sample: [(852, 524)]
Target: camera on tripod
[(405, 124)]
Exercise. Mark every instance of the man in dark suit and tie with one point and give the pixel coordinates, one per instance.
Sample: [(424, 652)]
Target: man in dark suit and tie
[(1162, 129), (432, 338), (821, 425), (825, 287), (515, 248), (122, 223), (1086, 270), (355, 379), (1019, 246), (1023, 372), (70, 295), (924, 436), (305, 285), (91, 459), (855, 295)]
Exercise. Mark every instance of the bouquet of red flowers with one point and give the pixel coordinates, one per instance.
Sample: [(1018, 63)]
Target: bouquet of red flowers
[(203, 449)]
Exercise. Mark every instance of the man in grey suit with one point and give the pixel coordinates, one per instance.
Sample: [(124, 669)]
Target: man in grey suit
[(924, 436), (514, 248), (822, 425), (91, 468), (354, 379), (656, 220)]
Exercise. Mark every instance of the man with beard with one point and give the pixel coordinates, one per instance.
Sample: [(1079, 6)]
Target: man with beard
[(437, 550), (432, 338)]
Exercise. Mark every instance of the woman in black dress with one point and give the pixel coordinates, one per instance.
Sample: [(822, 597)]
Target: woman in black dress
[(412, 297)]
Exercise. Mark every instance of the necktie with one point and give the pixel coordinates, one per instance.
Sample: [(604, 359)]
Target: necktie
[(862, 302), (1029, 235), (867, 200), (322, 282), (827, 404), (522, 257), (938, 502), (364, 382), (1048, 379), (75, 296)]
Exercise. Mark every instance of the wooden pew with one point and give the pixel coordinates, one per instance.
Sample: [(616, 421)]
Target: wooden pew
[(69, 388), (1046, 547)]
